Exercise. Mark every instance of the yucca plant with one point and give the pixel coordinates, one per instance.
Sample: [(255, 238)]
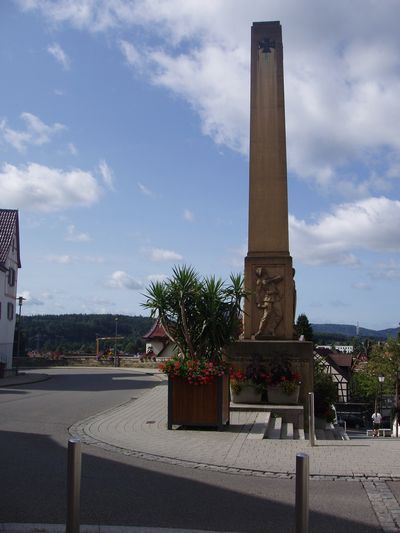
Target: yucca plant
[(199, 315)]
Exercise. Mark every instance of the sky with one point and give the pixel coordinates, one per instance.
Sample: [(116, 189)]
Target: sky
[(124, 133)]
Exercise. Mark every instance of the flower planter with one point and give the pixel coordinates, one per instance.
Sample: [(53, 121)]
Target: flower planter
[(277, 396), (198, 405), (247, 394)]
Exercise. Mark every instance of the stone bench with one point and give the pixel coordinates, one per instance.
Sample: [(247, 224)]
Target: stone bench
[(383, 432), (293, 414)]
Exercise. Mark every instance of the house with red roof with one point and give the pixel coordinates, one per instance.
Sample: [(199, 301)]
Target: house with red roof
[(158, 343), (10, 262), (338, 365)]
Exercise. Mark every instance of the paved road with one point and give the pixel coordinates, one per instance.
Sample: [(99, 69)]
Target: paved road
[(126, 490)]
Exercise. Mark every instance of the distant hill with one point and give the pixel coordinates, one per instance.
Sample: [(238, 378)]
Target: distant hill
[(79, 331), (346, 331)]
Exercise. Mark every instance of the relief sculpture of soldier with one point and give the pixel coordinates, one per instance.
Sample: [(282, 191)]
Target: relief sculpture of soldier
[(268, 300)]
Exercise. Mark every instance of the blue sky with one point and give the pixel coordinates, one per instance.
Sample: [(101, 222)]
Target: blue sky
[(124, 144)]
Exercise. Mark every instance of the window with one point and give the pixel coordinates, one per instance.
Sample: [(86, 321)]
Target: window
[(11, 277), (10, 311), (0, 310)]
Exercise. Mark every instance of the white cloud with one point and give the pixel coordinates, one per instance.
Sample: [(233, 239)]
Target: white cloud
[(72, 148), (131, 54), (107, 174), (121, 280), (188, 215), (17, 139), (61, 259), (144, 190), (76, 236), (160, 255), (36, 132), (40, 188), (387, 271), (30, 300), (214, 80), (59, 55), (342, 75), (362, 286), (76, 259), (370, 224), (157, 277)]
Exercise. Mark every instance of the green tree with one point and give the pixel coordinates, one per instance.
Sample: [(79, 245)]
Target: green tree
[(303, 327), (384, 360), (48, 332), (199, 315)]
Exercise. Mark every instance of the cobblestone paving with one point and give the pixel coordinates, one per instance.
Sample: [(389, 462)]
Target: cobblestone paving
[(384, 504)]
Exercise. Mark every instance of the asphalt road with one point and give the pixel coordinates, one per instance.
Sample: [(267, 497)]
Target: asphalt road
[(121, 490)]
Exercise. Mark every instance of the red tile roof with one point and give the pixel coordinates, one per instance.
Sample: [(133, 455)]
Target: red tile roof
[(156, 332), (342, 359), (8, 225)]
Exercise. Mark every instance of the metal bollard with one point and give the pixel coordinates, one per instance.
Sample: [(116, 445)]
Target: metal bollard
[(311, 419), (302, 492), (73, 485)]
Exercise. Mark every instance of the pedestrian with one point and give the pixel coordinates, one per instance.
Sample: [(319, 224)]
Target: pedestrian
[(376, 423)]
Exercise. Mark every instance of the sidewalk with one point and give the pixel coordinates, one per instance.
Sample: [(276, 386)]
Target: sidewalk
[(139, 428)]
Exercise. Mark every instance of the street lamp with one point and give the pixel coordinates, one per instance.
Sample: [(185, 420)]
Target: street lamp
[(20, 300), (381, 380), (116, 362)]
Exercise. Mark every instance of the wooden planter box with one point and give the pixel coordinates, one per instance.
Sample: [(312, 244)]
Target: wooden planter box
[(198, 405)]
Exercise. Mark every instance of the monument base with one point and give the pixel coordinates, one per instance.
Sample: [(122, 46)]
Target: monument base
[(299, 354)]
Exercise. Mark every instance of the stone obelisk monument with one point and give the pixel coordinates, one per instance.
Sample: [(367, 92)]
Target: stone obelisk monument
[(268, 265), (269, 275)]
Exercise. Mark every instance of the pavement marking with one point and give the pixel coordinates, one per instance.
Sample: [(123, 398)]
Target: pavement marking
[(384, 504)]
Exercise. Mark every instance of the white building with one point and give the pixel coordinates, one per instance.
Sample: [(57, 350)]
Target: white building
[(9, 264), (339, 348)]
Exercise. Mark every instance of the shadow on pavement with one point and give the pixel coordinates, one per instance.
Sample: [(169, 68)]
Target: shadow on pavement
[(93, 381), (118, 491)]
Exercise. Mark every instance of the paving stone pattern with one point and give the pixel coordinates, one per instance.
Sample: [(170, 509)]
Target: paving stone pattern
[(139, 428), (384, 503)]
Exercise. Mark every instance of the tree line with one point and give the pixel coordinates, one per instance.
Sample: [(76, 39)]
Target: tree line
[(78, 332)]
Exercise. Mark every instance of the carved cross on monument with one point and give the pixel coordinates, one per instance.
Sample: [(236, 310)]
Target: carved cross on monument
[(269, 275)]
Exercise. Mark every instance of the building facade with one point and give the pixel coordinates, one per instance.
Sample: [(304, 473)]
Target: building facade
[(9, 264)]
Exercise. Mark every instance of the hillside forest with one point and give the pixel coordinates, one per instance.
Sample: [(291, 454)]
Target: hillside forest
[(78, 333)]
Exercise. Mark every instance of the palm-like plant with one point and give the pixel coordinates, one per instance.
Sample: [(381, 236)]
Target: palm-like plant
[(200, 316)]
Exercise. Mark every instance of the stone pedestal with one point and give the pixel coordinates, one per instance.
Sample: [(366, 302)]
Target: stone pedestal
[(298, 353)]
